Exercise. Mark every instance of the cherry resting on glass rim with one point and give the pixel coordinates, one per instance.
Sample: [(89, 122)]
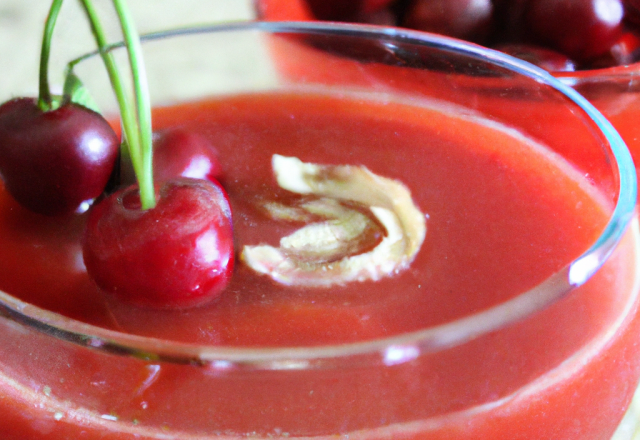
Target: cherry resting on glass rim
[(176, 255), (53, 161)]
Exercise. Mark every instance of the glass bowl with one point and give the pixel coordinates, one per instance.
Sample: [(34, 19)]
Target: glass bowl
[(613, 90), (514, 317)]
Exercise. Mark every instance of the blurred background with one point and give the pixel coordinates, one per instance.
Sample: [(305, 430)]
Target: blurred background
[(22, 23)]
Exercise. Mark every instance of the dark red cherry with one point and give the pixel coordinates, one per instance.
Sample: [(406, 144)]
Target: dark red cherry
[(545, 58), (466, 19), (581, 29), (179, 152), (176, 255), (346, 10), (372, 6), (381, 17), (632, 11), (52, 162), (624, 51), (335, 10), (508, 19)]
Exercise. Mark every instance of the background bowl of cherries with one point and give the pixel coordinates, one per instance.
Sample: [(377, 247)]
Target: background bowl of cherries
[(592, 45)]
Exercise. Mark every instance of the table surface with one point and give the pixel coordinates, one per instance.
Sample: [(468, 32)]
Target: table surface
[(21, 24)]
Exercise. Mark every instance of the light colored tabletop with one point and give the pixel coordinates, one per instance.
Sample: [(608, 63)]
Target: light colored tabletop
[(22, 22)]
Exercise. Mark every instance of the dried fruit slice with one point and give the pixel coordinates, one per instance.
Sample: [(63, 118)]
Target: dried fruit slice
[(329, 252)]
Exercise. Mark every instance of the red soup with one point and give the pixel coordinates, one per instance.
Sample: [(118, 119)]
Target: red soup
[(495, 213)]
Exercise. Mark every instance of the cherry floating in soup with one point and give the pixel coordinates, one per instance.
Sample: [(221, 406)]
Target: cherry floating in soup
[(176, 255)]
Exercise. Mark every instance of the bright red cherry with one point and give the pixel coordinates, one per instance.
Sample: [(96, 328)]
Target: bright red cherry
[(545, 58), (467, 19), (176, 255), (178, 152), (53, 161), (581, 29)]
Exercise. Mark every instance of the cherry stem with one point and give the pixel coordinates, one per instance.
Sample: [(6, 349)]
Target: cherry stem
[(136, 125), (129, 122), (143, 103), (44, 95)]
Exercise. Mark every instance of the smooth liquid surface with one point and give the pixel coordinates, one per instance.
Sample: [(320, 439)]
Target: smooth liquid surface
[(500, 220), (503, 215)]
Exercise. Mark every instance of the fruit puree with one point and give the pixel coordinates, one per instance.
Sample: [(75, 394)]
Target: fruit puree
[(503, 213)]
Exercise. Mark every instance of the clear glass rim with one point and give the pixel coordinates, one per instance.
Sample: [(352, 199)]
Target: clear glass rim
[(626, 71), (390, 350)]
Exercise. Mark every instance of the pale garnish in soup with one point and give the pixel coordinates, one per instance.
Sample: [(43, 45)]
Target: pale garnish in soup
[(334, 250)]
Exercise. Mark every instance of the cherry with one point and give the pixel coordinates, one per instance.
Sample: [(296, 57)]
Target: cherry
[(342, 10), (180, 153), (176, 255), (581, 29), (624, 51), (508, 16), (53, 161), (381, 17), (468, 19), (632, 10), (371, 6), (545, 58)]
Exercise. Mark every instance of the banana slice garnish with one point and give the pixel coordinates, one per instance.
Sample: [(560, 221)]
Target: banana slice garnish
[(329, 252)]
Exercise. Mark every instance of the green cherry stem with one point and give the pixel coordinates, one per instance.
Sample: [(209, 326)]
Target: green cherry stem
[(129, 121), (44, 94), (136, 121), (143, 103)]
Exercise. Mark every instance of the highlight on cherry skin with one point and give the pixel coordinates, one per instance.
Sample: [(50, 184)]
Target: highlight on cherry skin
[(176, 255), (55, 162)]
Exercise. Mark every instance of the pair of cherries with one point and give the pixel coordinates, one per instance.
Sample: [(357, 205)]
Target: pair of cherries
[(555, 34), (178, 254)]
